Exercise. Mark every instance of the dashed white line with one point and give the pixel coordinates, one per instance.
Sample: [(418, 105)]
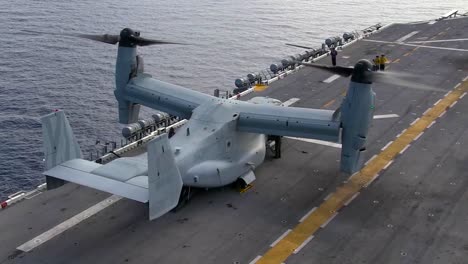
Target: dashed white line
[(437, 102), (403, 150), (329, 220), (281, 237), (351, 199), (371, 180), (454, 103), (303, 244), (418, 136), (307, 215), (255, 260), (316, 141), (427, 111), (407, 36), (463, 95), (414, 122), (466, 78), (450, 91), (385, 116), (386, 146), (290, 101), (388, 164), (432, 22), (373, 157), (328, 196), (432, 123), (62, 227), (331, 78), (458, 84), (401, 133), (442, 114)]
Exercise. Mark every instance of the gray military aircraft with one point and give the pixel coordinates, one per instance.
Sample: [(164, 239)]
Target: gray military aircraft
[(222, 141)]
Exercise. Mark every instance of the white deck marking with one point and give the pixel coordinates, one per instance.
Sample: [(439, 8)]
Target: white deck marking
[(388, 164), (307, 215), (401, 133), (385, 116), (403, 150), (331, 78), (373, 157), (413, 45), (329, 220), (67, 224), (438, 101), (290, 102), (328, 196), (463, 95), (432, 22), (255, 259), (458, 84), (351, 199), (466, 78), (418, 136), (414, 122), (443, 113), (427, 111), (407, 36), (371, 181), (431, 124), (453, 104), (386, 146), (439, 40), (316, 141), (281, 237), (303, 244)]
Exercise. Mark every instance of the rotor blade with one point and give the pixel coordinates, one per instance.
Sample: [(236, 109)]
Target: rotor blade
[(396, 80), (299, 46), (146, 42), (106, 38), (340, 70)]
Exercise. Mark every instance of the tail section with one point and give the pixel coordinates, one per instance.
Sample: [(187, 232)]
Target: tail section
[(154, 178), (164, 180), (357, 111), (59, 144)]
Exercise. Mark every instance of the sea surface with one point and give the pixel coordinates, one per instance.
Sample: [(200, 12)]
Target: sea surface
[(40, 73)]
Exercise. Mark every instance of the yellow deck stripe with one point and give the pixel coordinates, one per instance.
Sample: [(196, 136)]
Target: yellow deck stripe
[(286, 246)]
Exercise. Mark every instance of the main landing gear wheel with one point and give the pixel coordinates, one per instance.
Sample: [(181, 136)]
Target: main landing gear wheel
[(185, 194)]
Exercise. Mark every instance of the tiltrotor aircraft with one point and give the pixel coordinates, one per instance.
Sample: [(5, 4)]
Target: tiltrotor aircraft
[(223, 140)]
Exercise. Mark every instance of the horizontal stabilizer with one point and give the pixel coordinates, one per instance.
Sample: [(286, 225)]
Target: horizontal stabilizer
[(80, 171)]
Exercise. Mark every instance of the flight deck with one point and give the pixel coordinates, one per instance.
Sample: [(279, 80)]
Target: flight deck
[(407, 204)]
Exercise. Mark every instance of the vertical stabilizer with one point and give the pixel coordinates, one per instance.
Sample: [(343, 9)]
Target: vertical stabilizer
[(164, 180), (60, 144)]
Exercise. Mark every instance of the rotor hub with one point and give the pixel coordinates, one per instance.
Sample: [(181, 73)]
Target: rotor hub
[(362, 72), (127, 37)]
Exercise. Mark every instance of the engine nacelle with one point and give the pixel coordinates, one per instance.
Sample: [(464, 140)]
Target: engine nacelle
[(357, 112)]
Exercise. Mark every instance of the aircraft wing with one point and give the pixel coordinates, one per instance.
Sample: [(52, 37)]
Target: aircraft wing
[(173, 99), (289, 121)]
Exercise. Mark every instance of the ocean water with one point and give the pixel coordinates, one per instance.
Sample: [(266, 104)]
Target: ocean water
[(40, 73)]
